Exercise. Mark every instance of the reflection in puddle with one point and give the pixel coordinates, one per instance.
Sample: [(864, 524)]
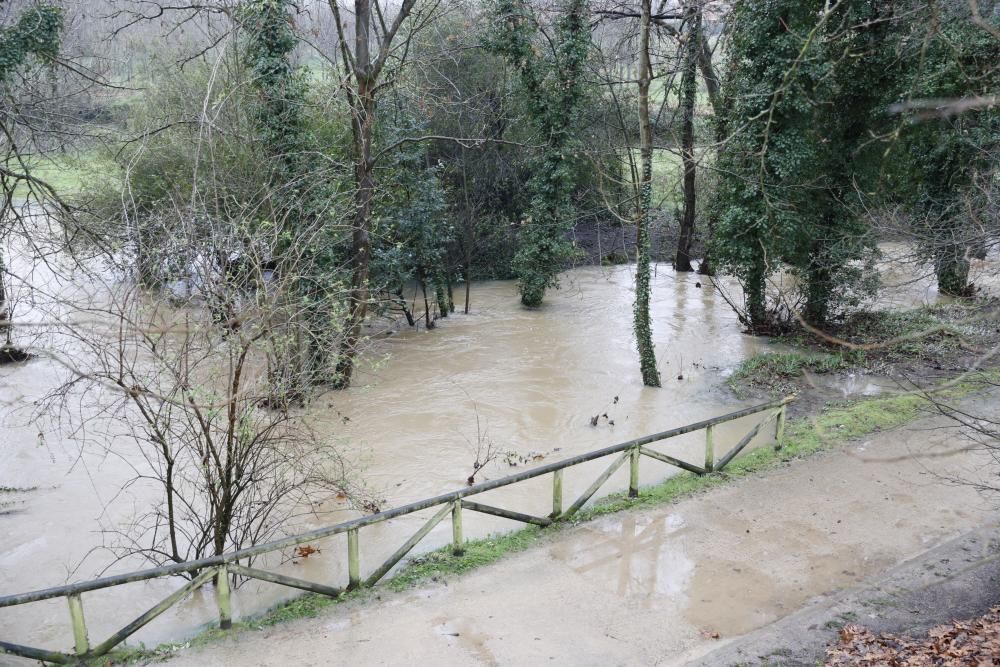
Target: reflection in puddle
[(638, 557), (714, 572)]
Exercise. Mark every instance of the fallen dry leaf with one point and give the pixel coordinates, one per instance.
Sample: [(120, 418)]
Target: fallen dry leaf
[(305, 551), (971, 643)]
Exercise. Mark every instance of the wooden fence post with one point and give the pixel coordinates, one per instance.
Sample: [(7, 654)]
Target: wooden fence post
[(353, 560), (557, 480), (457, 547), (222, 598), (80, 638), (633, 473), (709, 448)]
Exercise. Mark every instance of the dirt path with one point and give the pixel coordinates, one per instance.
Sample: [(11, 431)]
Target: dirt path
[(652, 587), (957, 580)]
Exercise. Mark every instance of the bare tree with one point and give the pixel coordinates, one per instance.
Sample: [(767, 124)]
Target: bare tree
[(190, 369), (364, 67)]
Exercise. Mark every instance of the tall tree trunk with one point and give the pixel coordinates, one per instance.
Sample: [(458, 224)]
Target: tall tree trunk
[(360, 85), (362, 128), (468, 282), (819, 286), (360, 237), (643, 328), (689, 91), (402, 303), (441, 294), (714, 87), (5, 328), (469, 236), (755, 290), (428, 323), (951, 256), (451, 292)]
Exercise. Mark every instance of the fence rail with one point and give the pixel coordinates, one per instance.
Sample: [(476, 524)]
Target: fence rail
[(220, 568)]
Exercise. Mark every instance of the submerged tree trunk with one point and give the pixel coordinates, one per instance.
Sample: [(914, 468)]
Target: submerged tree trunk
[(362, 127), (5, 328), (819, 288), (951, 266), (451, 292), (468, 287), (952, 246), (402, 304), (756, 298), (689, 92), (428, 322), (442, 296), (714, 87), (360, 241), (360, 85), (643, 328)]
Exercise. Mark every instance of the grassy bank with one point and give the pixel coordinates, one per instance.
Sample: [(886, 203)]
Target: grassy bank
[(67, 174), (875, 342)]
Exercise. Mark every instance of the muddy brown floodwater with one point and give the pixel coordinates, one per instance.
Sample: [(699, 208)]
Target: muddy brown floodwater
[(409, 425)]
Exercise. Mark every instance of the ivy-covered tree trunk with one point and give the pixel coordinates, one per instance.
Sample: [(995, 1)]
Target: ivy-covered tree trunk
[(819, 285), (714, 88), (554, 87), (441, 294), (37, 34), (951, 266), (301, 347), (755, 295), (801, 115), (689, 94), (643, 328)]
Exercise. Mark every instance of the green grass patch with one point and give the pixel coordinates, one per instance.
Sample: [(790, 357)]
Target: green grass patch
[(874, 341), (789, 364), (803, 437), (772, 371), (667, 176), (68, 175)]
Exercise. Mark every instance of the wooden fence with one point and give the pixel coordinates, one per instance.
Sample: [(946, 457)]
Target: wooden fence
[(220, 568)]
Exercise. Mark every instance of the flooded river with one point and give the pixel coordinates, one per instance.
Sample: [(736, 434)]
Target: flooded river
[(533, 379)]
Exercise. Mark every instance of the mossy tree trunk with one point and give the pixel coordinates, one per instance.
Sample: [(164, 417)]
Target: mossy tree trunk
[(643, 327), (714, 87), (689, 93)]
